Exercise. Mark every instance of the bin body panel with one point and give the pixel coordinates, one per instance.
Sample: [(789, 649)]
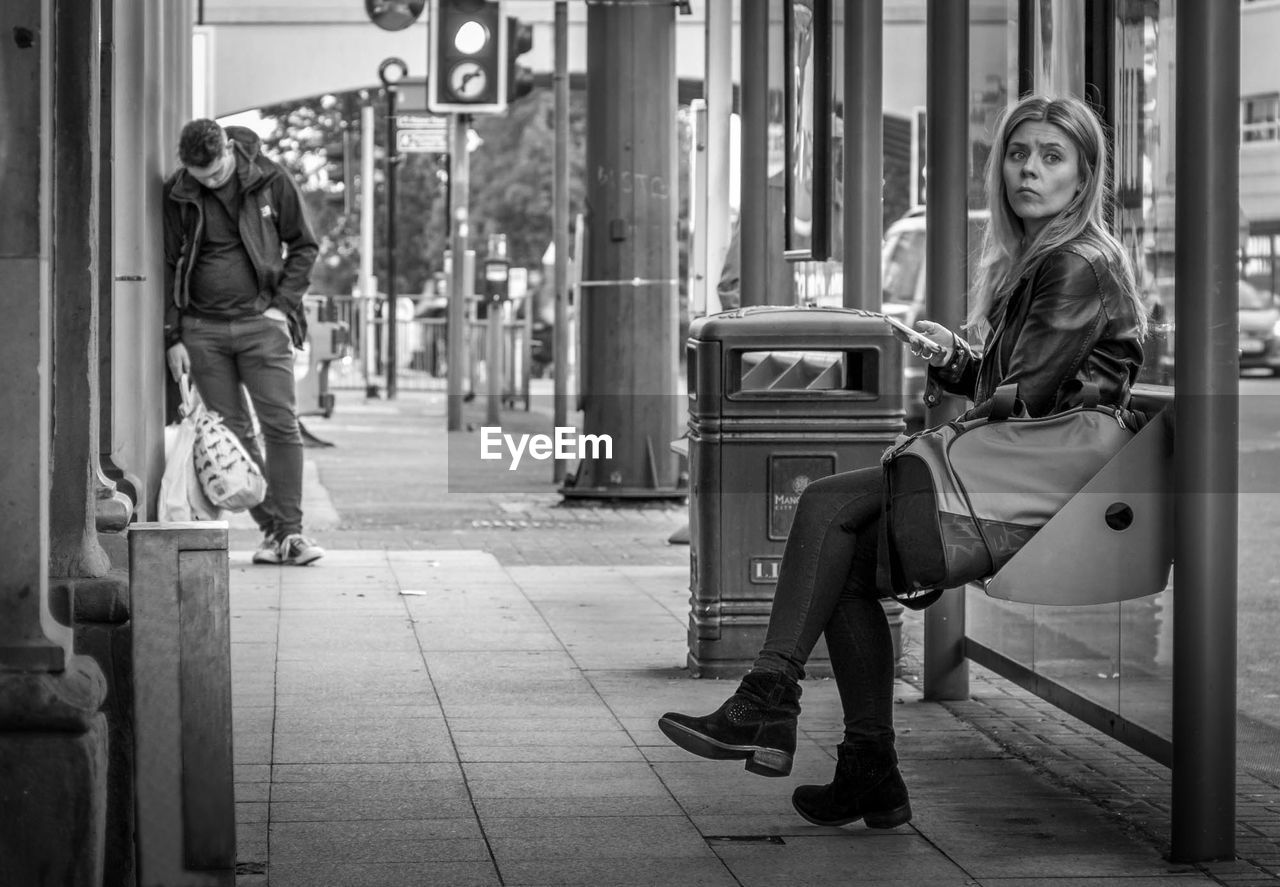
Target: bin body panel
[(778, 398)]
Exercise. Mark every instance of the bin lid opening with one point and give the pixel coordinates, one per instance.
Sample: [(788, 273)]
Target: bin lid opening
[(846, 371)]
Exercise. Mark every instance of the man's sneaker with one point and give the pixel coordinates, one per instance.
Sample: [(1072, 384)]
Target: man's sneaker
[(268, 552), (298, 550)]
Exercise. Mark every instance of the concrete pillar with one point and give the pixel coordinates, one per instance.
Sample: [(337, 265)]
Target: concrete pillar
[(136, 155), (630, 290), (53, 742), (73, 541), (115, 495)]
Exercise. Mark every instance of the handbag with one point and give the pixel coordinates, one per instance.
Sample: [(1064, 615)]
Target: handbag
[(227, 474), (961, 499)]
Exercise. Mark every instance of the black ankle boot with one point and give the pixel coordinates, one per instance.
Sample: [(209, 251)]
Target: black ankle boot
[(757, 723), (867, 786)]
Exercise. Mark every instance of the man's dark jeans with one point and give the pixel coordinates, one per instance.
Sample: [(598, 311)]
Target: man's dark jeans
[(827, 585), (254, 352)]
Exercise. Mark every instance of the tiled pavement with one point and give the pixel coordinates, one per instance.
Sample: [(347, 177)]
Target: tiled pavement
[(466, 693)]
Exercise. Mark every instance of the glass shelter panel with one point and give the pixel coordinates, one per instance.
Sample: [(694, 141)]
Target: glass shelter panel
[(1114, 658), (1146, 662)]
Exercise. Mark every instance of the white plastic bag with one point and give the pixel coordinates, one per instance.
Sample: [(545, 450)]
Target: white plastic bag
[(181, 497), (226, 472)]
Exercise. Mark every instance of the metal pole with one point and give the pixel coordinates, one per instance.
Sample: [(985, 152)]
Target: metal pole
[(392, 164), (368, 285), (718, 91), (753, 212), (1206, 404), (863, 195), (560, 234), (946, 671), (456, 324), (495, 293), (863, 153)]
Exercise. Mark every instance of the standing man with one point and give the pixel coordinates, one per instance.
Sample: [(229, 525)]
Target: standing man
[(238, 253)]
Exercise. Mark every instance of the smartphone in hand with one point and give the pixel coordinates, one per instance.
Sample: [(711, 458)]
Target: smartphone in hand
[(914, 338)]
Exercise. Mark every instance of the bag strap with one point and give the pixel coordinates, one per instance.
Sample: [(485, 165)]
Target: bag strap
[(1004, 402), (191, 402), (1089, 392)]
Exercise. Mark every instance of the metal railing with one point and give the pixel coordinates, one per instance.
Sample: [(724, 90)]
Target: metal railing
[(422, 349)]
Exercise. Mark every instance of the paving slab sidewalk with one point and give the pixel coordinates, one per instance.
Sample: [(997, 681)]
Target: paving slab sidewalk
[(411, 717), (465, 691)]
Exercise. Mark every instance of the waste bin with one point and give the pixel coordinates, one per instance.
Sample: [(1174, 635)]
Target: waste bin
[(328, 339), (778, 397)]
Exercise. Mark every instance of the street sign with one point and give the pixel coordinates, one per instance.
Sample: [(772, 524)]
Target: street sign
[(421, 121), (422, 141)]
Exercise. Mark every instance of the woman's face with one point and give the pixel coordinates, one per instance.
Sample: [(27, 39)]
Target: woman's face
[(1041, 173)]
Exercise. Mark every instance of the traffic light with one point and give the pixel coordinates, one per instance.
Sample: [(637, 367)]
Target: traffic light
[(467, 48), (519, 41), (335, 165)]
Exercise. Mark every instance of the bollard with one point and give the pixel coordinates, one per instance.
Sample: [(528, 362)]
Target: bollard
[(179, 584)]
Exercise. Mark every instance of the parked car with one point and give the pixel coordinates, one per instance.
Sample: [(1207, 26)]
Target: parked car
[(1259, 329), (1258, 311)]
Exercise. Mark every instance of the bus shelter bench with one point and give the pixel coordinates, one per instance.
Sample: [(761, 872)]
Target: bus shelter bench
[(1112, 541)]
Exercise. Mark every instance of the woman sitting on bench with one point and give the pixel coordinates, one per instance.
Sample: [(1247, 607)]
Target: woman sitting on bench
[(1054, 304)]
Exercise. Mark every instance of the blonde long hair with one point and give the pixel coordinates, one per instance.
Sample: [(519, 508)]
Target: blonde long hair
[(1006, 256)]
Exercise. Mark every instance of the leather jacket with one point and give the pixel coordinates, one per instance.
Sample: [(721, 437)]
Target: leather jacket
[(1067, 321)]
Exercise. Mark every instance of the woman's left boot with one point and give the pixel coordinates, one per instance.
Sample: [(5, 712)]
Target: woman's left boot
[(867, 786), (757, 723)]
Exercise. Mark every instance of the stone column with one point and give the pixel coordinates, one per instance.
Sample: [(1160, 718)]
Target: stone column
[(629, 299), (74, 550), (53, 746)]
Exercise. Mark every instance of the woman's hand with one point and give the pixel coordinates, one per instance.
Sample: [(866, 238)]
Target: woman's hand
[(944, 337)]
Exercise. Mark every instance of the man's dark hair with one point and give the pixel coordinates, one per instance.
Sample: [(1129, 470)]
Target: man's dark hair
[(201, 142)]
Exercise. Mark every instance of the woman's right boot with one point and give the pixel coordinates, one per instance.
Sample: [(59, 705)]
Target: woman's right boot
[(757, 723), (867, 786)]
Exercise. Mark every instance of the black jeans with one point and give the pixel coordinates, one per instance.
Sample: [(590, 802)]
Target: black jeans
[(255, 352), (827, 586)]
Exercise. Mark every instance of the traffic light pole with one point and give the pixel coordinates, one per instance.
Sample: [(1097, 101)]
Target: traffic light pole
[(392, 164), (456, 324), (496, 269), (561, 233)]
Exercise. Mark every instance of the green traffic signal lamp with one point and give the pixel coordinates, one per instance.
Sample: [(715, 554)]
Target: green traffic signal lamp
[(519, 41), (467, 49)]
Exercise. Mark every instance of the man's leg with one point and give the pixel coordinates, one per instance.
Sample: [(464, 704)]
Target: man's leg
[(265, 363), (213, 348)]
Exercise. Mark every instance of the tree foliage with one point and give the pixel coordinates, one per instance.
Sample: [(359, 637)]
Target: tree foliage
[(511, 180)]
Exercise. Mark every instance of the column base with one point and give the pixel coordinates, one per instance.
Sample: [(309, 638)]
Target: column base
[(53, 776)]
